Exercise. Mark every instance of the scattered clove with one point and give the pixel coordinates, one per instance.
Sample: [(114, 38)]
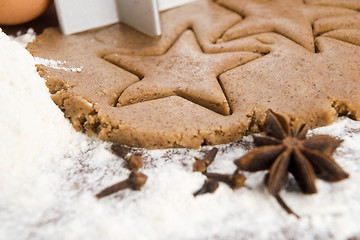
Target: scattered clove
[(120, 150), (135, 181), (234, 181), (200, 165), (134, 161), (210, 186)]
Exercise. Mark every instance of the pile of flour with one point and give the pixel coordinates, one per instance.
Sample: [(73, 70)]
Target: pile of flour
[(49, 175)]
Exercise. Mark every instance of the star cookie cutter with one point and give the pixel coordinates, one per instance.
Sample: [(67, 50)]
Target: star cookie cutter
[(143, 15)]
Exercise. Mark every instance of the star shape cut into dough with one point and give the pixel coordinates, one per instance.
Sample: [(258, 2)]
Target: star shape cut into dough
[(311, 87), (290, 18), (208, 25), (184, 71)]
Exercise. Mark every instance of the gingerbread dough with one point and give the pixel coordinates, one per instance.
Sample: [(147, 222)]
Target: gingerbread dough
[(211, 76)]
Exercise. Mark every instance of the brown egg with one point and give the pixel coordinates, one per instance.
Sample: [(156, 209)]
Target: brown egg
[(13, 12)]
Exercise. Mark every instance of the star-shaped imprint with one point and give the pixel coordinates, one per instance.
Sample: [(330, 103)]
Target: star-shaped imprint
[(208, 24), (311, 87), (184, 70), (290, 18)]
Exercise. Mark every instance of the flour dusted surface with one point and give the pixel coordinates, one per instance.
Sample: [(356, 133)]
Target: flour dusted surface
[(49, 175)]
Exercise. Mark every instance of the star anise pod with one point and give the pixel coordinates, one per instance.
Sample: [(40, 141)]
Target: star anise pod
[(283, 150)]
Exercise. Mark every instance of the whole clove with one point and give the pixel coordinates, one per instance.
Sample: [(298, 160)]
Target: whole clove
[(200, 165), (234, 181), (120, 150), (135, 181), (134, 161), (209, 186)]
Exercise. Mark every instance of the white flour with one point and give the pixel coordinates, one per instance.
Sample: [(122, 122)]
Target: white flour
[(49, 175), (23, 39), (56, 64)]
